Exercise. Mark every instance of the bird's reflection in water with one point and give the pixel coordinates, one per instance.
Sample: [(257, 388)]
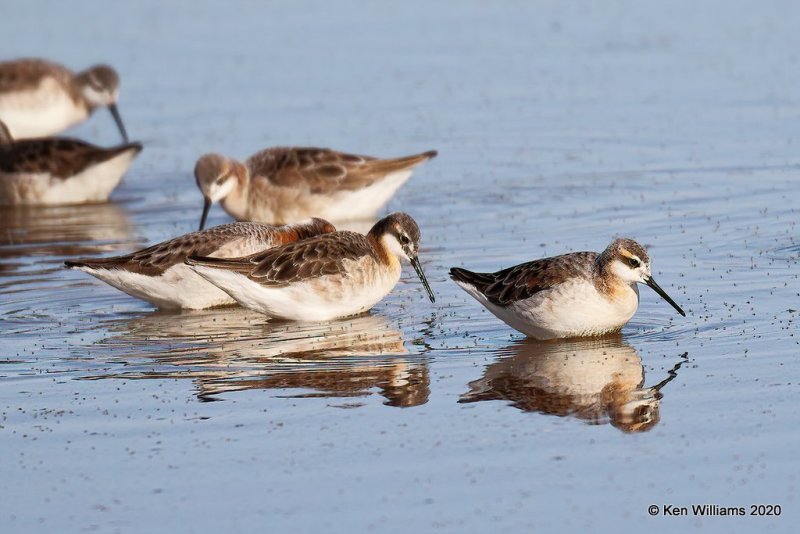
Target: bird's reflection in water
[(234, 349), (62, 231), (598, 381)]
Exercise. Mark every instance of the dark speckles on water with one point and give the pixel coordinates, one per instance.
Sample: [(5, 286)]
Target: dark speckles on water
[(559, 127)]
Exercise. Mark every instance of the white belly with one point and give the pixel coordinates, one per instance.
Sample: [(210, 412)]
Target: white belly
[(318, 299), (40, 112), (573, 309), (94, 184), (287, 205), (363, 203), (177, 288)]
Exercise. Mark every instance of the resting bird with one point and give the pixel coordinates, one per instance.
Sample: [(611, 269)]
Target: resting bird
[(158, 274)]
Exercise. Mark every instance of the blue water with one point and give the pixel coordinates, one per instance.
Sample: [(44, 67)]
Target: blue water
[(559, 127)]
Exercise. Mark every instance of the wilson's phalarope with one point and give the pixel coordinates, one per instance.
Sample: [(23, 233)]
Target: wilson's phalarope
[(330, 276), (39, 98), (573, 295), (59, 170), (158, 274), (284, 185)]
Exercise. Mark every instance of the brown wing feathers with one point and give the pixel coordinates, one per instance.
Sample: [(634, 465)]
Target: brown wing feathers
[(60, 157), (324, 170), (522, 281), (28, 73), (154, 260), (302, 260)]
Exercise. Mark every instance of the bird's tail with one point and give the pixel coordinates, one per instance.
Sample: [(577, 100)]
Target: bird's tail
[(463, 276)]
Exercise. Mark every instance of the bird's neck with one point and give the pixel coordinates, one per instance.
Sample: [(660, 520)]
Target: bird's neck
[(236, 202), (607, 283), (382, 246)]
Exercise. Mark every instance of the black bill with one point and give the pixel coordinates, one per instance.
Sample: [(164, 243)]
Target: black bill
[(417, 267), (655, 287), (206, 207), (115, 113)]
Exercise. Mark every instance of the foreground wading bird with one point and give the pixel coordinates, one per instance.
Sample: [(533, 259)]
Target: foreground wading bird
[(59, 170), (573, 295), (284, 185), (158, 274), (322, 278), (40, 98)]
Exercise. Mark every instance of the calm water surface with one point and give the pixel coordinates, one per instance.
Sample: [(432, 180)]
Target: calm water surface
[(559, 126)]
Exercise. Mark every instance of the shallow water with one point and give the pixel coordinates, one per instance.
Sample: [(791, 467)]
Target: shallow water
[(559, 127)]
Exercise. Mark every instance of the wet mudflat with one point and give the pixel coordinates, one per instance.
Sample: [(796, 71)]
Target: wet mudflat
[(559, 127)]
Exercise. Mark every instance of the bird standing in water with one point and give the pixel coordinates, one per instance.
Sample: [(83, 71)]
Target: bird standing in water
[(158, 274), (322, 278), (572, 295), (284, 185)]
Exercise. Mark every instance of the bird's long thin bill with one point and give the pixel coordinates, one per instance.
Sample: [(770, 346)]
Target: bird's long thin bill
[(655, 287), (206, 207), (418, 268), (115, 113)]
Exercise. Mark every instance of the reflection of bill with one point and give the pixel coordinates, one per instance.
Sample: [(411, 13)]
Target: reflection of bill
[(598, 381), (236, 349)]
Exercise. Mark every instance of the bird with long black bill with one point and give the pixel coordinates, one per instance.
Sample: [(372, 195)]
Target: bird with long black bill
[(572, 295), (39, 98), (325, 277)]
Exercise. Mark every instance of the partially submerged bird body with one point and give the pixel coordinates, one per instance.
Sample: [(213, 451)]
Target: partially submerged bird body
[(39, 98), (159, 275), (288, 184), (572, 295), (59, 170), (326, 277)]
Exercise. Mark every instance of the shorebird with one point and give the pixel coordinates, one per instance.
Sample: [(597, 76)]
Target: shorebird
[(284, 185), (40, 98), (158, 274), (59, 170), (572, 295), (322, 278)]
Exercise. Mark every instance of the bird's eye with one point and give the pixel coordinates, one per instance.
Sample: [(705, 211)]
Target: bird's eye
[(220, 180), (633, 262), (404, 239)]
